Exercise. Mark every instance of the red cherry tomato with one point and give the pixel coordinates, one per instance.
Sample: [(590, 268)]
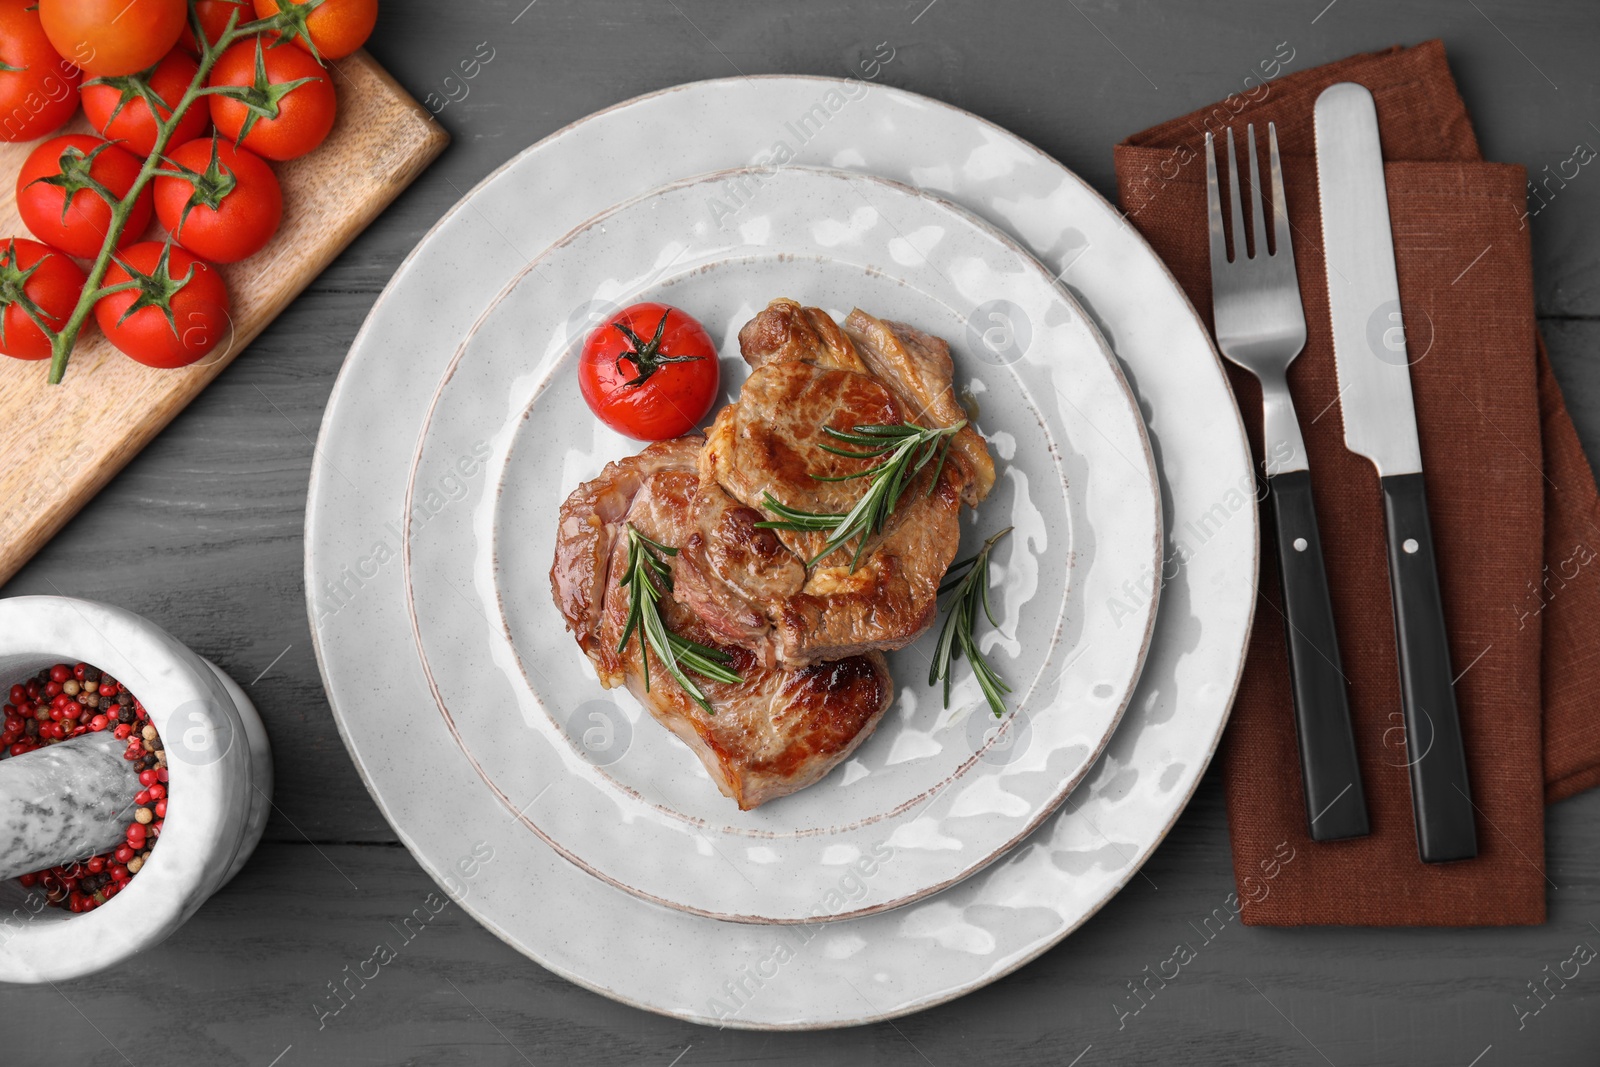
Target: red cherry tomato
[(111, 37), (226, 208), (281, 125), (649, 371), (61, 166), (38, 89), (336, 27), (37, 278), (189, 289), (214, 15), (123, 115)]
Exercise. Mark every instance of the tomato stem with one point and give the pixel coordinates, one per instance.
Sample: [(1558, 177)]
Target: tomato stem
[(112, 290), (14, 290), (61, 342), (647, 356)]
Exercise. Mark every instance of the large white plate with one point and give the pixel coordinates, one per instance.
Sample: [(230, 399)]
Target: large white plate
[(665, 960), (939, 791)]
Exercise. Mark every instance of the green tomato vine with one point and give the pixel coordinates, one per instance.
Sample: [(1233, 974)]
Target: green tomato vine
[(288, 22)]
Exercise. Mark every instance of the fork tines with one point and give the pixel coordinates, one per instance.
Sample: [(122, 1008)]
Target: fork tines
[(1280, 242)]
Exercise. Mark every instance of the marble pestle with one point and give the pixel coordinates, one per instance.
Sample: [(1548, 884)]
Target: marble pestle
[(63, 802)]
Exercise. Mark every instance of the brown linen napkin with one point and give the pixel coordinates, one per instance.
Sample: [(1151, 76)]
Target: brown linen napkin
[(1513, 502)]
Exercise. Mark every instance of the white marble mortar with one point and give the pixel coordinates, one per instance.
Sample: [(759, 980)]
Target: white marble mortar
[(219, 793)]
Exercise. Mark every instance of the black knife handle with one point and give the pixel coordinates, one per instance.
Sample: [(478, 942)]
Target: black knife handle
[(1336, 805), (1440, 798)]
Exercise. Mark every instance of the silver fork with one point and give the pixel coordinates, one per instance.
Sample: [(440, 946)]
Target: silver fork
[(1261, 326)]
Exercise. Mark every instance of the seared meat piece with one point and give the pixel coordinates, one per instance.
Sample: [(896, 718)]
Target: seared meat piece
[(809, 374), (785, 332), (730, 567), (780, 729), (588, 523), (918, 368)]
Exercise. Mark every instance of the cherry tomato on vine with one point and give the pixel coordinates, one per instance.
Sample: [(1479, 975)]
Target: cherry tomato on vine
[(35, 279), (38, 89), (336, 27), (650, 372), (178, 313), (214, 15), (220, 202), (117, 108), (57, 199), (111, 37), (280, 102)]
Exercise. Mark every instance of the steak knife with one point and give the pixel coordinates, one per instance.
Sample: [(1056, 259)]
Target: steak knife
[(1380, 423)]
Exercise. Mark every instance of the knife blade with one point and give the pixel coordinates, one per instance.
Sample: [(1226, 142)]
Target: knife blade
[(1380, 424)]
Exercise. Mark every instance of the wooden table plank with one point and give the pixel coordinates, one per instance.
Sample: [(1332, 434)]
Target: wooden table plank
[(202, 533), (249, 977)]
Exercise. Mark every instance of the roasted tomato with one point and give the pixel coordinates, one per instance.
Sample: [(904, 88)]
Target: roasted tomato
[(650, 372), (276, 101), (119, 110), (111, 37), (175, 316), (36, 283), (57, 198), (38, 89)]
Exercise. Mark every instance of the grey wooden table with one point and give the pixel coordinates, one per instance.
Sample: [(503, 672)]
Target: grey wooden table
[(202, 533)]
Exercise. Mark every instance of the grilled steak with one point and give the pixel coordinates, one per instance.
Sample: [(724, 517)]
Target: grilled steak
[(780, 729), (808, 374)]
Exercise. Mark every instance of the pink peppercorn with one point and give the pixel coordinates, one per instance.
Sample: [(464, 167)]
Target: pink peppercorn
[(57, 704)]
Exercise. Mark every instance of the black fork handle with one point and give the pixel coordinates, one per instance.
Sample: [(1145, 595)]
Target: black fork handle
[(1336, 805)]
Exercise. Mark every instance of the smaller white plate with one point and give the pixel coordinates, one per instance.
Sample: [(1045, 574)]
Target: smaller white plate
[(943, 791)]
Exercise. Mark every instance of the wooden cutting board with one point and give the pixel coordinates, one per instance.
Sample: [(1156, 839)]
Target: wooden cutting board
[(59, 444)]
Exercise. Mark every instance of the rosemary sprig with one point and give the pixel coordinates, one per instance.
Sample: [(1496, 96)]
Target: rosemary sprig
[(956, 637), (645, 569), (905, 448)]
